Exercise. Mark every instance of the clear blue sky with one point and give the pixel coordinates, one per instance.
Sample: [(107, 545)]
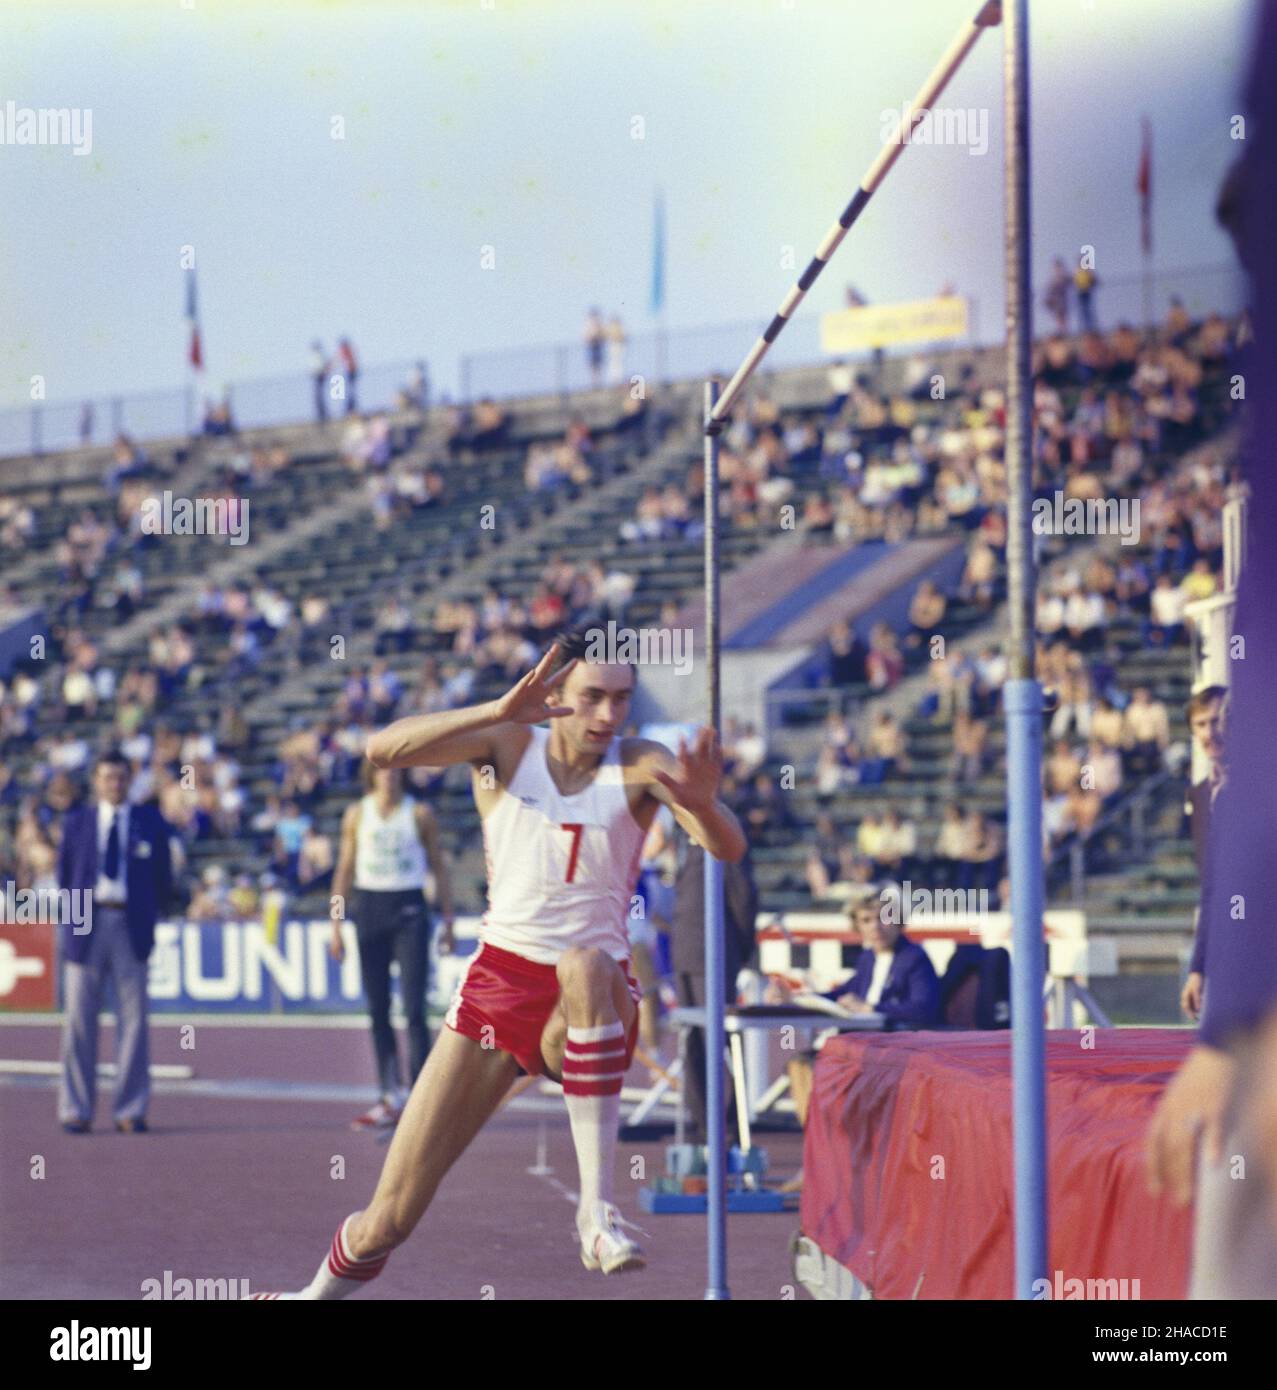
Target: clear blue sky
[(511, 126)]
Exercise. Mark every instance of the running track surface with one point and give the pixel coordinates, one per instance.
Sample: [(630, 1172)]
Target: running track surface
[(234, 1182)]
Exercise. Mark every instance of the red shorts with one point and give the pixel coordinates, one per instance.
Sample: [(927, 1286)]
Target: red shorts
[(504, 1001)]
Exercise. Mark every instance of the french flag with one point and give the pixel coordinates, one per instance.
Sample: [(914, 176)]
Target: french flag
[(196, 354)]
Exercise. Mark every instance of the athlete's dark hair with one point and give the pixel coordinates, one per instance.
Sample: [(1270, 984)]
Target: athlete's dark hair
[(575, 643)]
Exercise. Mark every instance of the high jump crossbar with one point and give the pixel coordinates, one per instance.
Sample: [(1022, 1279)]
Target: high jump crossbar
[(989, 16)]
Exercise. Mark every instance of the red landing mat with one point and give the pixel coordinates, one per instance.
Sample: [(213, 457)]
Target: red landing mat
[(909, 1174)]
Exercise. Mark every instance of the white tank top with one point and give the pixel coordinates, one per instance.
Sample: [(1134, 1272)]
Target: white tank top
[(389, 855), (561, 869)]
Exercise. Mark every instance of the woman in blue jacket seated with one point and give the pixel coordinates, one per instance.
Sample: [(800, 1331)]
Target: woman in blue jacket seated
[(893, 975)]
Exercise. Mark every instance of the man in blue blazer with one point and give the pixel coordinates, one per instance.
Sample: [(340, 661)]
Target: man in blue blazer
[(893, 975), (118, 854)]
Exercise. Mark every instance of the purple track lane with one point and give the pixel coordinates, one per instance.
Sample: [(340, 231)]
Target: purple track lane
[(235, 1181)]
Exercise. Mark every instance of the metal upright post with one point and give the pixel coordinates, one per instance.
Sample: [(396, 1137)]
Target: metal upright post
[(1022, 695), (715, 1135)]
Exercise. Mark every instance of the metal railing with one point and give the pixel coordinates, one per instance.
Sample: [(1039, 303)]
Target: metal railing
[(554, 368), (1134, 807)]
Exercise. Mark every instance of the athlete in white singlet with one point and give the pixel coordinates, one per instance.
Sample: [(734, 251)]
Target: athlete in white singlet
[(565, 810), (389, 845), (561, 869)]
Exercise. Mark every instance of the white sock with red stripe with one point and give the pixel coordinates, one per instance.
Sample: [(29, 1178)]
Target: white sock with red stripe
[(341, 1273), (593, 1070)]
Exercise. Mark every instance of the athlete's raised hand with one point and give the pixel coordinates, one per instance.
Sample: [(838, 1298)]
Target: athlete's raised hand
[(528, 702), (694, 782)]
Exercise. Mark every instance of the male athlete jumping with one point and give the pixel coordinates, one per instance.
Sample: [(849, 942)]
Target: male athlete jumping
[(565, 811)]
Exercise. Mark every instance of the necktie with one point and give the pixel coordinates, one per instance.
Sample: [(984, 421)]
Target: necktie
[(112, 865)]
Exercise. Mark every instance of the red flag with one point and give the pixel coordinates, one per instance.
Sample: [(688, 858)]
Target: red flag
[(1144, 187), (196, 354)]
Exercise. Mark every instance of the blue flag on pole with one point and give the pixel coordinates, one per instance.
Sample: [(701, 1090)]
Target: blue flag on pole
[(658, 255)]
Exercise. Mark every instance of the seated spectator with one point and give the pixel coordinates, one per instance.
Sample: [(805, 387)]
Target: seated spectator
[(79, 697), (818, 517), (1078, 814), (869, 837), (981, 863), (841, 380), (979, 582), (897, 844), (893, 975), (1214, 340), (838, 732), (609, 591), (1102, 770), (1049, 619), (315, 860), (1165, 625), (393, 626), (354, 443), (290, 833), (264, 822), (990, 675), (1074, 708), (1062, 770), (885, 749), (822, 862), (765, 806), (854, 878), (384, 691), (1146, 731), (244, 899), (1084, 618), (832, 772), (1199, 582), (950, 846), (952, 681), (546, 611), (847, 657), (1106, 724), (211, 901), (649, 519), (885, 665), (970, 741), (751, 752), (926, 613)]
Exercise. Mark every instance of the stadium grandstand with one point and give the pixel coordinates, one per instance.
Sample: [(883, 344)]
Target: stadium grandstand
[(864, 533), (522, 780)]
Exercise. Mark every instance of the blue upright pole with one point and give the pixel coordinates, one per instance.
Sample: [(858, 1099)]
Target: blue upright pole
[(1022, 700), (715, 966), (1022, 695)]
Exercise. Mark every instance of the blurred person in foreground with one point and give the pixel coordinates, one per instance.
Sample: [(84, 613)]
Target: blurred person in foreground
[(1220, 1111)]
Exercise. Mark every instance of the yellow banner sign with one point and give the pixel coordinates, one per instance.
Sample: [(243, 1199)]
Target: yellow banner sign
[(882, 325)]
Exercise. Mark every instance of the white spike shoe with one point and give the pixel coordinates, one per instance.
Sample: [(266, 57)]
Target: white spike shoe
[(604, 1244)]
